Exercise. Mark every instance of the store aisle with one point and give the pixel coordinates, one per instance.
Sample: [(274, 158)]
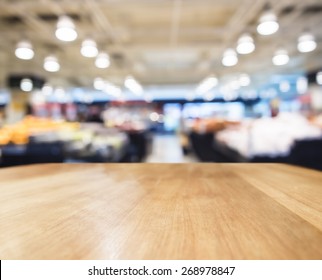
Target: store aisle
[(166, 148)]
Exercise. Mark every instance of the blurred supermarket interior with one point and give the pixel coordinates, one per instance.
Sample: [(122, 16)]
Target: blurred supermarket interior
[(161, 81)]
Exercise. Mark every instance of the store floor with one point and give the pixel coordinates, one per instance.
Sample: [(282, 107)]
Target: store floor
[(166, 148)]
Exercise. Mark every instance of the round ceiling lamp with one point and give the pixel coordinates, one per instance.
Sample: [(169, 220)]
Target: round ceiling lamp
[(229, 58), (245, 44), (207, 84), (280, 57), (26, 84), (244, 80), (66, 29), (24, 50), (102, 60), (268, 22), (51, 64), (133, 85), (319, 78), (89, 48), (99, 83), (306, 43), (112, 89), (47, 89)]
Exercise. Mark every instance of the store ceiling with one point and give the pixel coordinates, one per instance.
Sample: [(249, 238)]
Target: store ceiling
[(156, 41)]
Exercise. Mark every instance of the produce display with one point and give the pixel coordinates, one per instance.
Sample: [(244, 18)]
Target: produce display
[(21, 133), (79, 141), (211, 125), (268, 136), (95, 140), (128, 119)]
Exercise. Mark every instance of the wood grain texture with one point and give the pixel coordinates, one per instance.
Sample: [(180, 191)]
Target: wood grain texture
[(160, 211)]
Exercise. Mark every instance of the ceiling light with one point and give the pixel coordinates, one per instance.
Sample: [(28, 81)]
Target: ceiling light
[(306, 43), (26, 84), (89, 48), (245, 44), (229, 58), (234, 85), (302, 85), (61, 95), (284, 86), (99, 83), (223, 88), (267, 23), (47, 89), (66, 29), (131, 84), (51, 64), (319, 78), (244, 80), (37, 98), (60, 92), (280, 57), (102, 60), (112, 89), (24, 50), (207, 84)]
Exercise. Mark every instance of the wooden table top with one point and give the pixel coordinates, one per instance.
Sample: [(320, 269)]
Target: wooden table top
[(160, 211)]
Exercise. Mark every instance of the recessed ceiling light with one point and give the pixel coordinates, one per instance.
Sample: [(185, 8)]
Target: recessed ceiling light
[(319, 78), (99, 83), (51, 64), (66, 29), (133, 85), (47, 89), (306, 43), (268, 23), (112, 89), (102, 60), (24, 50), (26, 84), (207, 84), (244, 80), (229, 58), (89, 48), (280, 57), (245, 44)]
